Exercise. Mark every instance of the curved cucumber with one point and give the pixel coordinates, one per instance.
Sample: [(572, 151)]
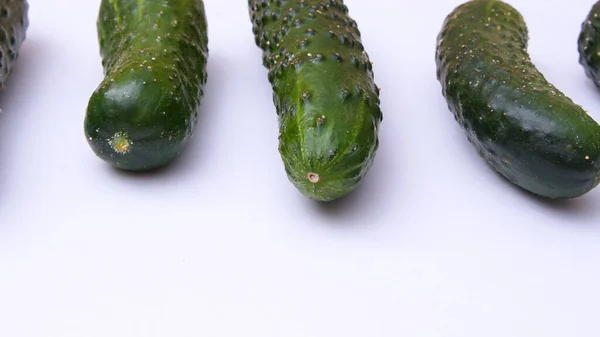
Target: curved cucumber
[(14, 22), (323, 90), (154, 55), (589, 44), (524, 127)]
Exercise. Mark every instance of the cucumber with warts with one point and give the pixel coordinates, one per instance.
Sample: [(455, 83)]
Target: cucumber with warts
[(323, 91), (522, 125), (14, 22), (154, 55), (589, 44)]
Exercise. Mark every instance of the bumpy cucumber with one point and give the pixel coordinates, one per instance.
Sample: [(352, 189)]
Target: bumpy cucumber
[(154, 55), (522, 125), (14, 23), (589, 44), (323, 91)]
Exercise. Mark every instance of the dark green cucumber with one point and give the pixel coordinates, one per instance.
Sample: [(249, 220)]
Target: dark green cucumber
[(154, 54), (323, 90), (522, 125), (589, 44), (14, 23)]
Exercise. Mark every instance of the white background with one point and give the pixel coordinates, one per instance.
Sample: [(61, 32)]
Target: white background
[(433, 244)]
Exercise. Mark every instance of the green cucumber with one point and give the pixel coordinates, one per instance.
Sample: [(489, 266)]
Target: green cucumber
[(154, 55), (323, 91), (589, 44), (14, 23), (522, 125)]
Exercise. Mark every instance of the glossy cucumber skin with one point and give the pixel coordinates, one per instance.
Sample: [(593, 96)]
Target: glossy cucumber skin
[(589, 44), (523, 126), (324, 93), (154, 55), (14, 22)]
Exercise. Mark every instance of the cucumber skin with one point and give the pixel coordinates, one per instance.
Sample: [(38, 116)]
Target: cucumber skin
[(588, 44), (14, 22), (154, 56), (525, 128), (323, 90)]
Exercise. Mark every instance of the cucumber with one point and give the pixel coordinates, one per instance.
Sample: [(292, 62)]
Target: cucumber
[(154, 56), (589, 44), (323, 91), (14, 22), (522, 125)]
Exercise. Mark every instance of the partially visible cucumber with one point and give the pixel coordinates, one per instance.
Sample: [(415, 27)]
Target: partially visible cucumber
[(324, 93), (154, 55), (14, 22), (589, 44), (522, 125)]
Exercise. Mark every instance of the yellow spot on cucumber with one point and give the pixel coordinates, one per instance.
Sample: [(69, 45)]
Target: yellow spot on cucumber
[(120, 142)]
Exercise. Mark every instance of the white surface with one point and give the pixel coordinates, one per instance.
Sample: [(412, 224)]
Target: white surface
[(434, 244)]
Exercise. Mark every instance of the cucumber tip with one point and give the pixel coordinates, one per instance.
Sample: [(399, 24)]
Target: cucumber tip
[(120, 142), (313, 177)]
